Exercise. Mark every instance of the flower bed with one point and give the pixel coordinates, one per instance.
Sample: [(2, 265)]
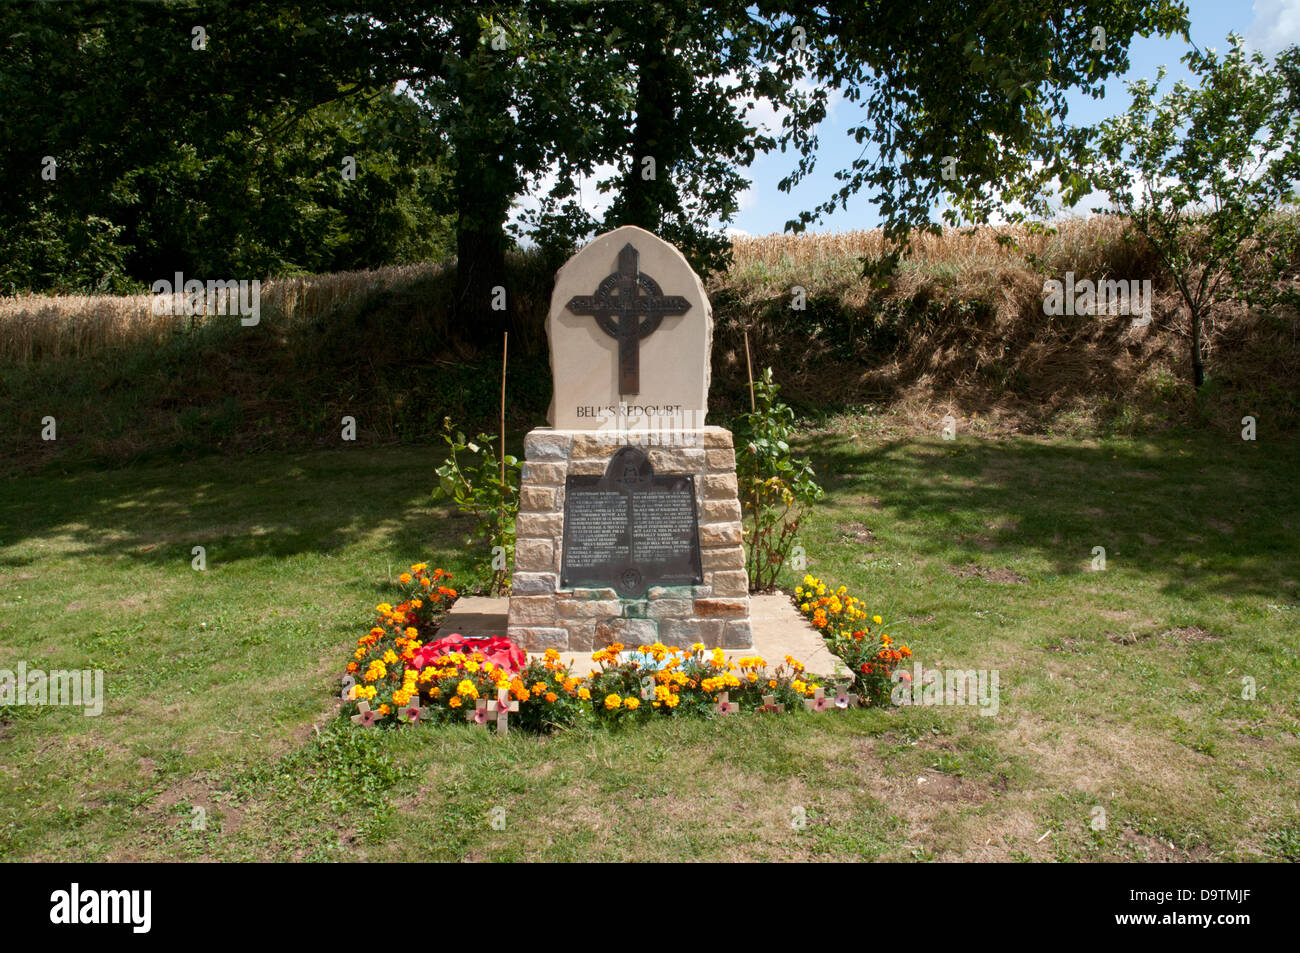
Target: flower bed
[(396, 675), (402, 672), (871, 654)]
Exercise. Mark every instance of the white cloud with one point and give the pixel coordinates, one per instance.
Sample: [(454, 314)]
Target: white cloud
[(588, 198), (767, 116), (1276, 25)]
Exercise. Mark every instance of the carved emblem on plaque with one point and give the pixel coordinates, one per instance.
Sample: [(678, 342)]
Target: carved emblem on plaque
[(629, 306)]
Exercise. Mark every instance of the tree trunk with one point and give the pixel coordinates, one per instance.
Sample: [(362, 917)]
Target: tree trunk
[(483, 187), (644, 199), (480, 253), (1198, 369)]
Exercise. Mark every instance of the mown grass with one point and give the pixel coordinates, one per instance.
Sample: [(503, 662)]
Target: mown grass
[(1119, 690)]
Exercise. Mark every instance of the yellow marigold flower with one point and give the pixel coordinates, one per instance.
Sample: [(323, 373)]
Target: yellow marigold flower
[(612, 701), (466, 688), (584, 694), (390, 657), (539, 687), (454, 702), (552, 655), (631, 704), (404, 578), (551, 696), (877, 619)]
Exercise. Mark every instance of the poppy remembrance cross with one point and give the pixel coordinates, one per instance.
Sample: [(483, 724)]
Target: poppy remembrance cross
[(412, 711), (365, 717), (502, 707), (623, 311), (725, 706), (819, 701)]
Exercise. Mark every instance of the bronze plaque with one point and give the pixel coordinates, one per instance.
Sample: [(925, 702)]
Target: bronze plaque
[(630, 529)]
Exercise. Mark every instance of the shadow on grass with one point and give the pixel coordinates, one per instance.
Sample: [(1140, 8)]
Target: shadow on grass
[(241, 508), (1201, 513)]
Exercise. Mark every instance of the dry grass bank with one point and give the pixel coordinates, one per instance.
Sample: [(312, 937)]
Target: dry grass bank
[(959, 328)]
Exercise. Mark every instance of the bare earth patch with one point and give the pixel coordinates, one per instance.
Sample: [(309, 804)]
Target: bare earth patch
[(987, 574)]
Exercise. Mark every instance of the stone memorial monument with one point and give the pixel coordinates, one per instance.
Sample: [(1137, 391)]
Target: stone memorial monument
[(629, 524)]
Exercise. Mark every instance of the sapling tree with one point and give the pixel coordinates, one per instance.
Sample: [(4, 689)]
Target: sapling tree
[(486, 487), (776, 488), (1206, 174)]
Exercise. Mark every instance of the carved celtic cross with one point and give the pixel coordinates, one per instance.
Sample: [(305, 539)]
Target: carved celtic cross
[(629, 306)]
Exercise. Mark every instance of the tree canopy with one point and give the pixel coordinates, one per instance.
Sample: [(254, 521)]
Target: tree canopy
[(214, 135)]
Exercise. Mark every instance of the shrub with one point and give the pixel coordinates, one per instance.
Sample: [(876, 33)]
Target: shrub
[(487, 489), (776, 488)]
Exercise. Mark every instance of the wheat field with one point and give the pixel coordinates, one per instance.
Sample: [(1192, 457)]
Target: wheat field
[(35, 327)]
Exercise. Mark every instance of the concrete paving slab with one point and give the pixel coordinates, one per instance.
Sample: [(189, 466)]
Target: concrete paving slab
[(779, 630)]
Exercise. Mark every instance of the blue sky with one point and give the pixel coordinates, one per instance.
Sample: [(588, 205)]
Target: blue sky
[(1268, 25)]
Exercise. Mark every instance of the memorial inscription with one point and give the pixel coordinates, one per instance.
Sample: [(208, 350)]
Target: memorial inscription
[(630, 528)]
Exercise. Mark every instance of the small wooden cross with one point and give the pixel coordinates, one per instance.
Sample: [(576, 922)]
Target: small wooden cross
[(413, 712), (845, 699), (771, 704), (478, 714), (364, 716), (725, 706), (502, 707), (818, 702)]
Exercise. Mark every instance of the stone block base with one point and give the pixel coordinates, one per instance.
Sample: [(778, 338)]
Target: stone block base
[(544, 615)]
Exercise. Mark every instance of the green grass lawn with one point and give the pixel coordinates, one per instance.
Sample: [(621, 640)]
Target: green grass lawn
[(1120, 689)]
